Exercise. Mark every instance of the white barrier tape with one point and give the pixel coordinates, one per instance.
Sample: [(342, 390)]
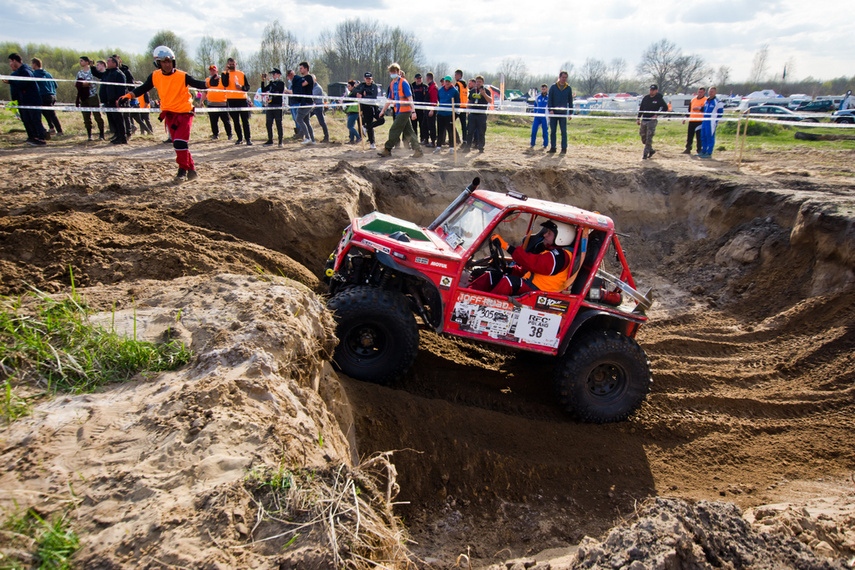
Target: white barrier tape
[(578, 113)]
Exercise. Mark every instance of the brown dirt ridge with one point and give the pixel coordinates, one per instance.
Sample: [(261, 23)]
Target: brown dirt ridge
[(740, 458)]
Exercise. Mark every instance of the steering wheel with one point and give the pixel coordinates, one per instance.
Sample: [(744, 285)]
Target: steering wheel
[(497, 257)]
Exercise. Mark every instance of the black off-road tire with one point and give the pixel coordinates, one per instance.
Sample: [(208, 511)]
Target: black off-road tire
[(603, 378), (377, 334)]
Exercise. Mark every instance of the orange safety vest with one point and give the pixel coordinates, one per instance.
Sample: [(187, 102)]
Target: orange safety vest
[(215, 94), (174, 94), (696, 109), (551, 283), (235, 78), (404, 106), (464, 93), (143, 104)]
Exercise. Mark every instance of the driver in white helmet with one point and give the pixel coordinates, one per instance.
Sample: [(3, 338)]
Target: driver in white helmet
[(176, 106), (543, 265)]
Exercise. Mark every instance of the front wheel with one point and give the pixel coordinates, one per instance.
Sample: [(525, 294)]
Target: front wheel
[(603, 378), (378, 335)]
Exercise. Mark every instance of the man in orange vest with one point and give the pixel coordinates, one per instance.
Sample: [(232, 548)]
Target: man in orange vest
[(405, 113), (236, 86), (696, 119), (463, 89), (215, 101), (176, 105), (543, 265)]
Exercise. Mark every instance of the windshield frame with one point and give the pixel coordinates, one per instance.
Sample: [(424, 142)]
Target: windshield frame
[(465, 226)]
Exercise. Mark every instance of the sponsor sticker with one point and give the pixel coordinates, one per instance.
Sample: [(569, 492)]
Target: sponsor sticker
[(445, 282), (422, 260), (438, 264), (544, 303), (376, 246)]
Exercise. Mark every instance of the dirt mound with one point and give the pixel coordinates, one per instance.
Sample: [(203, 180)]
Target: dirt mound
[(668, 533), (151, 469), (115, 246), (751, 343)]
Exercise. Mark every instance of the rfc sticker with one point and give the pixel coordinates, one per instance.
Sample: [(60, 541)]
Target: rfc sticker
[(445, 282), (544, 303), (502, 320), (422, 260)]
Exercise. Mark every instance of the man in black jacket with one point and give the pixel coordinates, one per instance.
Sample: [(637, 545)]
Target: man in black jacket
[(112, 89), (371, 117), (651, 104), (274, 106)]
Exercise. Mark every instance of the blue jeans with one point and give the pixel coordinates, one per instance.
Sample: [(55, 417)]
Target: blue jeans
[(539, 123), (352, 119), (556, 122)]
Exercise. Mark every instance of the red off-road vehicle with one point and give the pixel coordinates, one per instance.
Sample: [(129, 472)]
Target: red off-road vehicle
[(386, 272)]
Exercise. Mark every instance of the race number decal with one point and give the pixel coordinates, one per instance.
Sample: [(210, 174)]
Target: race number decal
[(537, 327)]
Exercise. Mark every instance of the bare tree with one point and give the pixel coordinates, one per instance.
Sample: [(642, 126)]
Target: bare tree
[(614, 75), (657, 63), (592, 75), (688, 71), (279, 48), (213, 51), (760, 65), (722, 76), (356, 46), (515, 71)]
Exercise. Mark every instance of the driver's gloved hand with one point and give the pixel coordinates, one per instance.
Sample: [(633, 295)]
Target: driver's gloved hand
[(498, 241)]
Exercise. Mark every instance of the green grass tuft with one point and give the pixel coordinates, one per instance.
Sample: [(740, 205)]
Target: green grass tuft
[(44, 544), (53, 345)]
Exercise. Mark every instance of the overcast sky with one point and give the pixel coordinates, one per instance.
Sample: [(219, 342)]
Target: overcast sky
[(476, 35)]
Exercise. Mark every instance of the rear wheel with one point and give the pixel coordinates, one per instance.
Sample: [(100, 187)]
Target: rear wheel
[(378, 335), (604, 378)]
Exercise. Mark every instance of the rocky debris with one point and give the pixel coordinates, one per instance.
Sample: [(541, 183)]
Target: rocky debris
[(674, 534)]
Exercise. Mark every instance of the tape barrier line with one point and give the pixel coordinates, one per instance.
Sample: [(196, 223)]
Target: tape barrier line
[(333, 102)]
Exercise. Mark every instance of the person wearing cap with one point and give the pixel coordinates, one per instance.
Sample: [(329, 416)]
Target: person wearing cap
[(420, 97), (539, 111), (276, 88), (87, 96), (651, 104), (447, 97), (402, 126), (542, 265), (371, 117), (215, 101), (176, 105), (236, 86)]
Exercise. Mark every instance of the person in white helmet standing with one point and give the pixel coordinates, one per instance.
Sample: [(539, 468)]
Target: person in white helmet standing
[(176, 106)]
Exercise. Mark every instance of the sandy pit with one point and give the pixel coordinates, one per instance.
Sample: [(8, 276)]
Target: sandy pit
[(751, 343)]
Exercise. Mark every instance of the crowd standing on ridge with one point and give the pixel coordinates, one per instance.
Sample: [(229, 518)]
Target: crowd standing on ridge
[(107, 84)]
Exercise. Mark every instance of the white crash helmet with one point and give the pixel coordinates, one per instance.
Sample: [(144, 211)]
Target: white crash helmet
[(564, 233), (162, 52)]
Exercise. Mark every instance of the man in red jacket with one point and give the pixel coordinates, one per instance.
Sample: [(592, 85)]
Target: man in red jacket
[(543, 265)]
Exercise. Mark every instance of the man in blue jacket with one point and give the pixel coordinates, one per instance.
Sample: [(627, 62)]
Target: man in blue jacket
[(540, 105), (47, 92), (560, 107), (26, 93), (713, 111)]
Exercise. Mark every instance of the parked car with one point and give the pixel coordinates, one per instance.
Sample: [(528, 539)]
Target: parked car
[(816, 107), (780, 113), (846, 116)]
